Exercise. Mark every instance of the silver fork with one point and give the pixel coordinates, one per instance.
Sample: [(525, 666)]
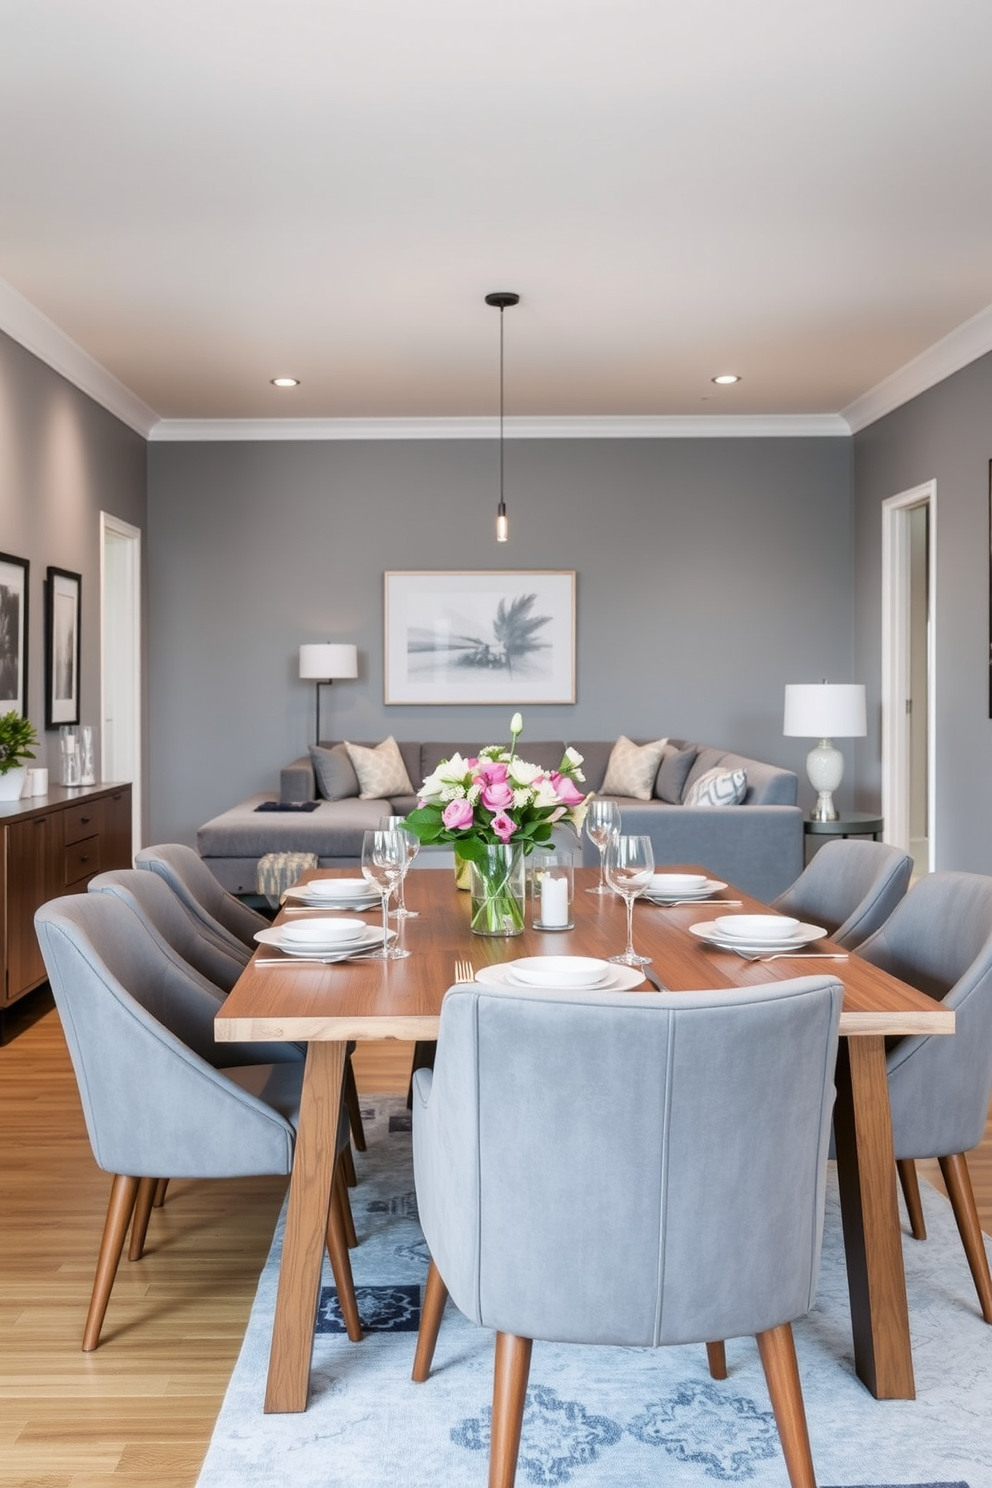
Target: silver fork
[(793, 956), (464, 971)]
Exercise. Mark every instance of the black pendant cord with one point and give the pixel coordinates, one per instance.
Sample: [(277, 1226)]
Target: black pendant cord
[(500, 299), (502, 504)]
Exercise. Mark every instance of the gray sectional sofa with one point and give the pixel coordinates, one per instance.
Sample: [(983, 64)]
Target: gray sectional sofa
[(757, 845)]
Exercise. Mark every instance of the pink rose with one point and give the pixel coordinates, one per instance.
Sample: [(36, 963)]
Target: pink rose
[(504, 826), (497, 796), (491, 772), (457, 814), (565, 789)]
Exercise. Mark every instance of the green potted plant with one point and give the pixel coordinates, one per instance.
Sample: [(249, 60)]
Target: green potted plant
[(17, 735)]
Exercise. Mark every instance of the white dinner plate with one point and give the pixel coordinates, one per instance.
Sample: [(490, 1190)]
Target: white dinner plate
[(706, 930), (711, 886), (301, 892), (372, 936), (618, 979)]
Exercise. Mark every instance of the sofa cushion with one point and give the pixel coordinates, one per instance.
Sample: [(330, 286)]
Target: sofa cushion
[(632, 768), (673, 772), (335, 774), (717, 788), (381, 771)]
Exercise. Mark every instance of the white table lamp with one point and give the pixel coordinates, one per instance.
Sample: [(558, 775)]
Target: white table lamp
[(327, 662), (825, 711)]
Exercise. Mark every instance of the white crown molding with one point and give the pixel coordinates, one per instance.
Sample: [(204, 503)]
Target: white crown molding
[(966, 343), (42, 337), (734, 426)]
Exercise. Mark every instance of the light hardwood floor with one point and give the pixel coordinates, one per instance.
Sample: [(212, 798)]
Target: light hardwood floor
[(138, 1411)]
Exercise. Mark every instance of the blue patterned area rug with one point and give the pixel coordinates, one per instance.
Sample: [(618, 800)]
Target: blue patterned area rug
[(598, 1417)]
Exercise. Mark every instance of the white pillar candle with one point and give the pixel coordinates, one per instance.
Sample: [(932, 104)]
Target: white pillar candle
[(554, 899)]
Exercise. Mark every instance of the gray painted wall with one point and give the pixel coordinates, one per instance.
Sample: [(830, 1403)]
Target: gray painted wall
[(63, 460), (943, 435), (710, 573)]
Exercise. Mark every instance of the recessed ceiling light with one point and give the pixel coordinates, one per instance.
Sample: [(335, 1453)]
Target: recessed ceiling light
[(285, 381), (725, 379)]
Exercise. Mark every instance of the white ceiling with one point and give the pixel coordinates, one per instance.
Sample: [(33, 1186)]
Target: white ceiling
[(203, 194)]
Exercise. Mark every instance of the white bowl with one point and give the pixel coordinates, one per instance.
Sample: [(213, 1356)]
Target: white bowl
[(338, 888), (560, 971), (323, 932), (757, 927), (677, 883)]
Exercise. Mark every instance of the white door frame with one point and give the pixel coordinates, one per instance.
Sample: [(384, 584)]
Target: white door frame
[(895, 665), (131, 535)]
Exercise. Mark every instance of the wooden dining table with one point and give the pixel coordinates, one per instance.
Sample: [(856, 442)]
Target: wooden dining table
[(327, 1005)]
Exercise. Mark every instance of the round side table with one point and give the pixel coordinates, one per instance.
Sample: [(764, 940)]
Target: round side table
[(851, 824)]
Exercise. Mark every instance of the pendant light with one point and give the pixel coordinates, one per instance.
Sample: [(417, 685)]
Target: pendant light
[(501, 299)]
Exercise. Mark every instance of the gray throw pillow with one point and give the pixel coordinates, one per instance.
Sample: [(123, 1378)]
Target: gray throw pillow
[(632, 768), (335, 773), (717, 788), (674, 772)]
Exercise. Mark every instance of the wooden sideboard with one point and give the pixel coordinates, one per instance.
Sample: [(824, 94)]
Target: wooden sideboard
[(53, 845)]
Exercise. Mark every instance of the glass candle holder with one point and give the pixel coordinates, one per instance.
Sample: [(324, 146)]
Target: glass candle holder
[(552, 892), (69, 754)]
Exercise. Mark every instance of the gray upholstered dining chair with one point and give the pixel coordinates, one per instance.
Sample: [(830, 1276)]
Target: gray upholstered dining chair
[(232, 922), (850, 887), (140, 1036), (161, 910), (939, 939), (680, 1201), (223, 920)]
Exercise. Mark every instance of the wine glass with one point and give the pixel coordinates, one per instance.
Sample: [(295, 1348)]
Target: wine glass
[(629, 866), (412, 843), (602, 823), (384, 862)]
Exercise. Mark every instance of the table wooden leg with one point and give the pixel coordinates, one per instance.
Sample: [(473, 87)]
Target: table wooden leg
[(306, 1228), (872, 1233)]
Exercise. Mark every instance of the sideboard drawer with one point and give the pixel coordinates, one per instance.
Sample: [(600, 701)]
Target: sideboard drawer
[(85, 819), (82, 861)]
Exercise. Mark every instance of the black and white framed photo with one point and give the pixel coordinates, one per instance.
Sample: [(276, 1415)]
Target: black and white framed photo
[(480, 636), (62, 615), (13, 634)]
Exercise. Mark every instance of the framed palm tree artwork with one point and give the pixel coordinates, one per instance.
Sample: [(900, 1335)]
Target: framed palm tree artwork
[(480, 636)]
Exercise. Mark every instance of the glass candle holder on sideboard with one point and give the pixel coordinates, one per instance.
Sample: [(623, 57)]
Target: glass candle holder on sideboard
[(69, 755)]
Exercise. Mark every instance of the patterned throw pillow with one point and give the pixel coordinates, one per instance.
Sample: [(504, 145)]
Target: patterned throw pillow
[(717, 788), (381, 771), (632, 768), (336, 778)]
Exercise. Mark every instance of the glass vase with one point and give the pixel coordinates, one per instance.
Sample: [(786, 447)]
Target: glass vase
[(498, 888)]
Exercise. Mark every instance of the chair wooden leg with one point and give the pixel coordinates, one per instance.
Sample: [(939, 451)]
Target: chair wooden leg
[(778, 1359), (910, 1184), (347, 1163), (435, 1296), (510, 1376), (339, 1194), (962, 1196), (337, 1250), (163, 1184), (716, 1357), (123, 1192), (354, 1108), (147, 1189)]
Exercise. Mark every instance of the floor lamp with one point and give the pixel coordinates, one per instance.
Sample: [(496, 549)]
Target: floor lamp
[(327, 662)]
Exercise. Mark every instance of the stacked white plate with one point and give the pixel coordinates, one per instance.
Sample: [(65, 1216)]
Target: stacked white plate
[(335, 893), (761, 934), (561, 973), (314, 936), (667, 888)]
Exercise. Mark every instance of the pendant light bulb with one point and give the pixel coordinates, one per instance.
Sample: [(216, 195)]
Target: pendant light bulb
[(501, 299)]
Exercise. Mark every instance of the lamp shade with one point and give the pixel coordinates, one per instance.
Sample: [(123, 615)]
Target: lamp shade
[(825, 710), (326, 661)]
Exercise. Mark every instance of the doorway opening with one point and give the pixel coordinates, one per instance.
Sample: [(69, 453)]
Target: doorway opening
[(908, 679), (120, 660)]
